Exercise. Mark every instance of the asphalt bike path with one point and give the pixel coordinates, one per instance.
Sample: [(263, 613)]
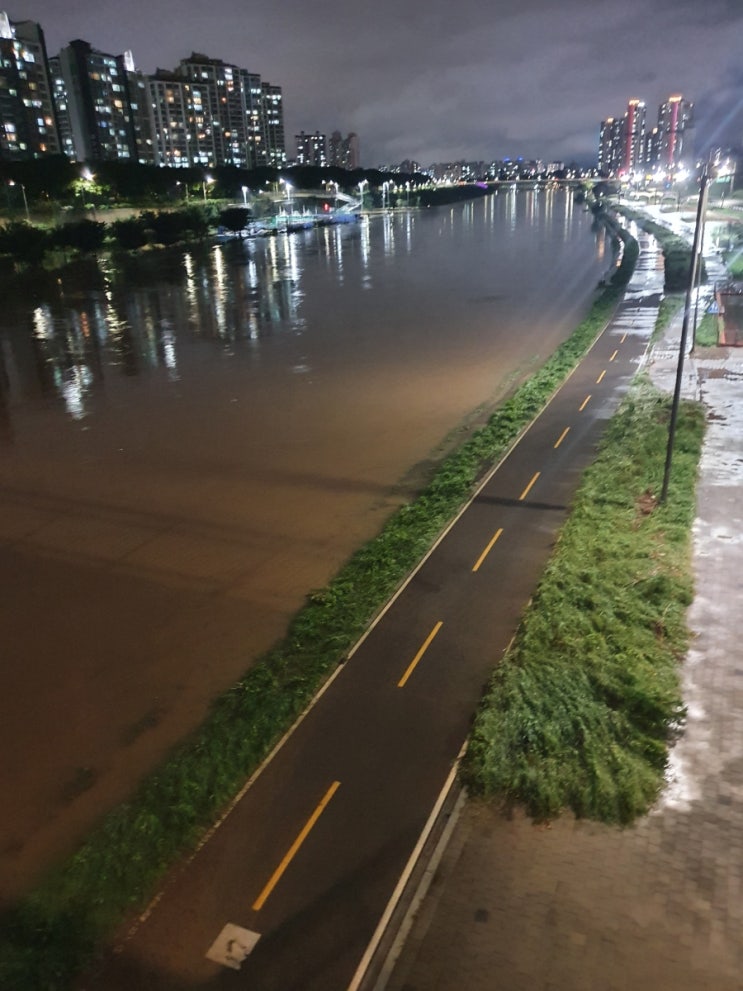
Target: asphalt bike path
[(287, 892)]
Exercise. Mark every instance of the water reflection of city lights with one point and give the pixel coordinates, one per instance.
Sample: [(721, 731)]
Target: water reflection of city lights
[(549, 205), (219, 292), (365, 243), (388, 235), (338, 254), (190, 288), (408, 232), (167, 339), (43, 323), (73, 384)]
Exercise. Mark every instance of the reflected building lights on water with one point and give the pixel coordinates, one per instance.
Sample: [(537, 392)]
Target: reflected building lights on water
[(569, 210), (365, 244), (168, 350), (218, 292), (163, 312), (511, 203), (408, 232), (388, 234), (549, 205)]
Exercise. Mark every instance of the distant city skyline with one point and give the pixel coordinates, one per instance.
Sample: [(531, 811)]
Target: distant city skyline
[(529, 79)]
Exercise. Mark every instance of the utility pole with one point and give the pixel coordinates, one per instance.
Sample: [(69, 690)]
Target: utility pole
[(701, 207)]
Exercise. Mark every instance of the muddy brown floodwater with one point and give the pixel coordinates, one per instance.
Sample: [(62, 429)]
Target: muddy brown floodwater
[(190, 447)]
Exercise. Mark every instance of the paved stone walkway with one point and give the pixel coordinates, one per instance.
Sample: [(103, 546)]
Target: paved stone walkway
[(658, 906)]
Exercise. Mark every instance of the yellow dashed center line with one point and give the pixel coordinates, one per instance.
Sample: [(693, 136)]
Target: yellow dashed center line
[(624, 338), (414, 663), (562, 437), (488, 549), (526, 491), (276, 876), (584, 404), (598, 380), (614, 355)]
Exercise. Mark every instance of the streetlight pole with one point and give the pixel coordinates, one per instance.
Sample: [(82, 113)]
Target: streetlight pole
[(12, 182), (701, 206)]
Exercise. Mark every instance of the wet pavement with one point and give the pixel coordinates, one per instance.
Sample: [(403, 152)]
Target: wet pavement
[(578, 905)]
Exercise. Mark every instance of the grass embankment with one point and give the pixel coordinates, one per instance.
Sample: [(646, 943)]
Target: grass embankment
[(581, 711), (54, 931)]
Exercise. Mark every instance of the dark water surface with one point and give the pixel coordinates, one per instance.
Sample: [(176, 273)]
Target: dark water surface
[(188, 449)]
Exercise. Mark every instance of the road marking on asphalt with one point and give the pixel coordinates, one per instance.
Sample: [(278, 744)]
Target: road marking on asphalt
[(584, 404), (292, 852), (414, 663), (614, 355), (624, 338), (233, 946), (598, 380), (488, 549), (562, 437), (526, 491)]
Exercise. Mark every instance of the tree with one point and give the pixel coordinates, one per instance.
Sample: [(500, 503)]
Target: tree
[(84, 236), (129, 234), (26, 244), (234, 218)]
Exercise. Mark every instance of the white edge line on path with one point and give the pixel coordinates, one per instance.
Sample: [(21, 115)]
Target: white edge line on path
[(405, 876)]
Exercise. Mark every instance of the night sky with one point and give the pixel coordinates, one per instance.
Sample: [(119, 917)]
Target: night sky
[(441, 81)]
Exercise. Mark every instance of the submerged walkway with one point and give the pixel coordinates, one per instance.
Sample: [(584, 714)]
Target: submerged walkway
[(578, 906)]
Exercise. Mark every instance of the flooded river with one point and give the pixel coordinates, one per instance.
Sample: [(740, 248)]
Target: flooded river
[(191, 446)]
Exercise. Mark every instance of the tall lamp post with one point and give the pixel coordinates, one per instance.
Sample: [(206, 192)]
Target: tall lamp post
[(12, 182), (206, 181), (288, 187), (364, 182), (701, 207)]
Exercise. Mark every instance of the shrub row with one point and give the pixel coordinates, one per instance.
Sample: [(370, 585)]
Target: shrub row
[(30, 245)]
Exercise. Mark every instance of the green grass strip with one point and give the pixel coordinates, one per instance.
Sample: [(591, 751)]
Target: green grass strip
[(49, 937), (581, 711)]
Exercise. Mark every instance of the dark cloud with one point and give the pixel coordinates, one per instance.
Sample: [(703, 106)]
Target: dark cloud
[(436, 80)]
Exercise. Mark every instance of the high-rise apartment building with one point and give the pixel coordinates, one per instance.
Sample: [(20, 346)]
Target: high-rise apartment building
[(272, 106), (100, 117), (627, 146), (344, 152), (92, 106), (312, 149), (230, 105), (137, 85), (28, 126), (62, 107), (611, 144), (183, 132), (675, 124), (634, 137)]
